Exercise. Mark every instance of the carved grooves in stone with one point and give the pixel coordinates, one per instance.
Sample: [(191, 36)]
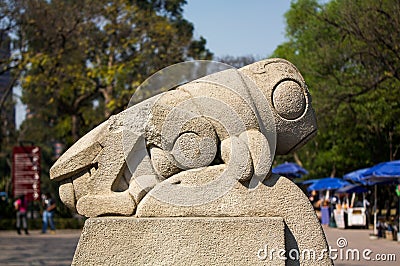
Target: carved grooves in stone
[(289, 99), (218, 159), (121, 183)]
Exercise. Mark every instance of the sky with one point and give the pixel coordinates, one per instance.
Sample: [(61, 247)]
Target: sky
[(239, 27)]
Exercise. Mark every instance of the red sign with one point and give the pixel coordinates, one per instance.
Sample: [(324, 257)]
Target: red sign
[(26, 172)]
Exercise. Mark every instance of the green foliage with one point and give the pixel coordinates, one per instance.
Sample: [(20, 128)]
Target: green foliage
[(348, 53), (87, 64), (79, 62)]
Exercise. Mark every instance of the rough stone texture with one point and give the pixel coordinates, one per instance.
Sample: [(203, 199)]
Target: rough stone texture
[(280, 80), (265, 105), (180, 241), (204, 149), (275, 197), (94, 176)]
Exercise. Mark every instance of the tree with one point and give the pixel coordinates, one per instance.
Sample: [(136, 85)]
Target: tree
[(349, 54), (79, 62), (7, 125), (95, 55)]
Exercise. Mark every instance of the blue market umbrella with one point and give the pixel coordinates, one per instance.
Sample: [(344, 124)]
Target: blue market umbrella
[(353, 188), (386, 172), (328, 183), (308, 182), (356, 176), (383, 172), (289, 170)]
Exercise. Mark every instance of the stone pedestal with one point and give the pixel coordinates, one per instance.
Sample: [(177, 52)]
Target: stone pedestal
[(181, 241)]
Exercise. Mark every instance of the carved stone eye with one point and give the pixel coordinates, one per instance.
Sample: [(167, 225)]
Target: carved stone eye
[(289, 99)]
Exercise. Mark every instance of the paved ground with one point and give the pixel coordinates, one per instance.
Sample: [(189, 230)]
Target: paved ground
[(58, 249), (37, 248), (358, 239)]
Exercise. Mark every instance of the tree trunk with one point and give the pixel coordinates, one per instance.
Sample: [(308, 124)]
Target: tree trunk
[(391, 157), (297, 159), (333, 173), (107, 94), (75, 127), (6, 93)]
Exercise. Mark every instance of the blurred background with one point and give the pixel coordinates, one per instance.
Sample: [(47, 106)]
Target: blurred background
[(66, 66)]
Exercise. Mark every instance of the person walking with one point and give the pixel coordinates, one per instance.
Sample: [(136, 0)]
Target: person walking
[(49, 208), (21, 207)]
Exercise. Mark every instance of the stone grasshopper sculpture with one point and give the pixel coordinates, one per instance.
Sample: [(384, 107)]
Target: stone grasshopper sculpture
[(202, 151), (200, 127)]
